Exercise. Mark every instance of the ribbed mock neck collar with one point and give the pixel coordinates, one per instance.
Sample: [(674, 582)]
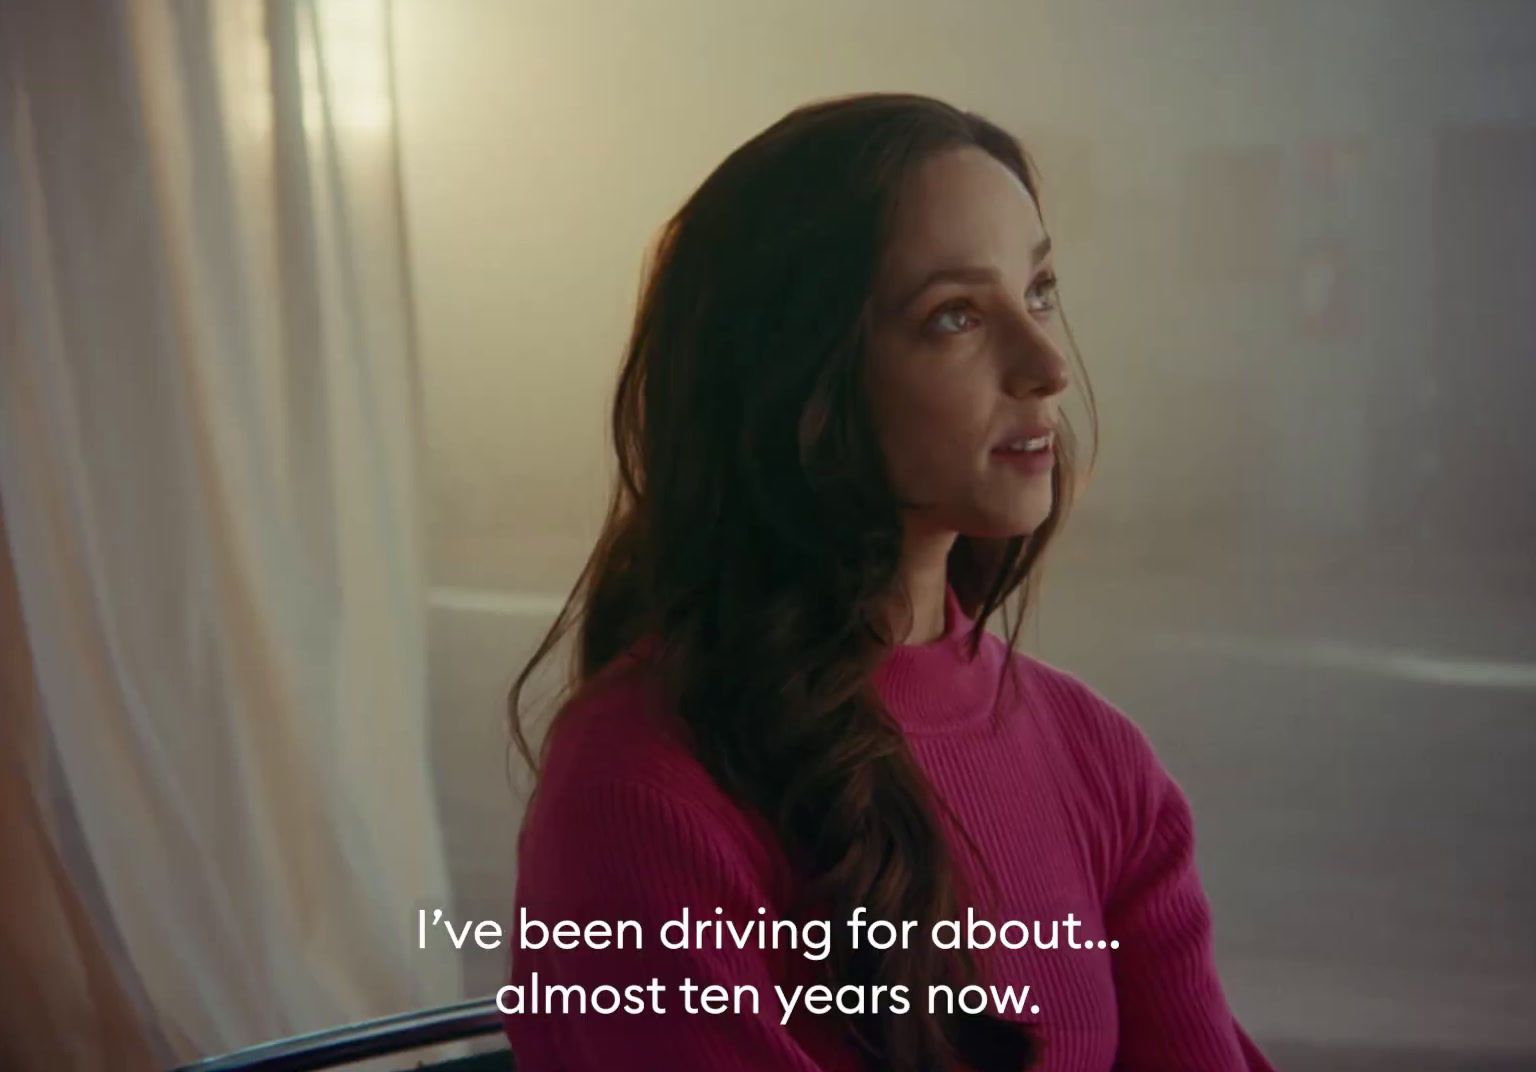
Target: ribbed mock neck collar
[(937, 687)]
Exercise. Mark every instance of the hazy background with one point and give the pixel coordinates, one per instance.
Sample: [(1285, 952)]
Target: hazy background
[(1297, 245)]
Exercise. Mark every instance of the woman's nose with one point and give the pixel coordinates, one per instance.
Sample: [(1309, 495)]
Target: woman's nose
[(1036, 367)]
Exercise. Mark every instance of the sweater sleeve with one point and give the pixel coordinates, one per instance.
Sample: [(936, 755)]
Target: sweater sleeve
[(1174, 1016), (634, 852)]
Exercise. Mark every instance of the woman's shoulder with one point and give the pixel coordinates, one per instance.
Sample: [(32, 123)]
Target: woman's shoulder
[(618, 767), (622, 729), (1096, 730), (1111, 759), (620, 726)]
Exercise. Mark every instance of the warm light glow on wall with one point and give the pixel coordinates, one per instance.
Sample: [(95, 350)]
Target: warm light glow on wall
[(343, 64), (345, 55)]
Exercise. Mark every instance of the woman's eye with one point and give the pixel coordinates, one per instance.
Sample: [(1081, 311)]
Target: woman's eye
[(953, 319), (960, 316), (1046, 286)]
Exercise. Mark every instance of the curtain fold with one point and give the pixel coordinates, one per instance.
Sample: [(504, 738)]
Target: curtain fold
[(209, 432), (83, 1018)]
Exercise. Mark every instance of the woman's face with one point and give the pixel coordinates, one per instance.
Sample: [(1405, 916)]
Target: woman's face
[(963, 357)]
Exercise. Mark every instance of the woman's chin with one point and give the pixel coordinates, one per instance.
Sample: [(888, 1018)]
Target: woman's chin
[(1007, 526)]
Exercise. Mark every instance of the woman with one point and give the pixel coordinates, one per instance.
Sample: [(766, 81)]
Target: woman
[(841, 448)]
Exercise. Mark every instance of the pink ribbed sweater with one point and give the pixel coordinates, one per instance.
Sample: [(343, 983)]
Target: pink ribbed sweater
[(1061, 793)]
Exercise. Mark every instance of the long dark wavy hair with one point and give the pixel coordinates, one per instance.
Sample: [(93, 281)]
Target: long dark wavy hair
[(753, 530)]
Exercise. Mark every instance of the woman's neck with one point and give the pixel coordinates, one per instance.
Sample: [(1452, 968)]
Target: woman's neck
[(924, 580)]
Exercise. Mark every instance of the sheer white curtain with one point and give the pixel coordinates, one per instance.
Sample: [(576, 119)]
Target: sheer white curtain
[(208, 462)]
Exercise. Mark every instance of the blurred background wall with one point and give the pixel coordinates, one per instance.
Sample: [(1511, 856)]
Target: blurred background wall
[(1297, 244)]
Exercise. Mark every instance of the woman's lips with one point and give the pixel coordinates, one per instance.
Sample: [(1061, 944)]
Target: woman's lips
[(1031, 461)]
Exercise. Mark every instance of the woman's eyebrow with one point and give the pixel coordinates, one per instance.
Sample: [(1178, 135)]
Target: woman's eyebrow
[(966, 273)]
